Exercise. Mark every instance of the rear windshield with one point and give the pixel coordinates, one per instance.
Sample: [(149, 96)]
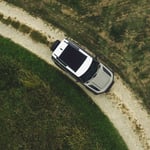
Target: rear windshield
[(90, 72), (72, 57)]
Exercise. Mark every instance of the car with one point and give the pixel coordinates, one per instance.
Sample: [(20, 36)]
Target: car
[(82, 66)]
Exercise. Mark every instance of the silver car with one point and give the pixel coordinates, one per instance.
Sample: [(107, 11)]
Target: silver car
[(82, 66)]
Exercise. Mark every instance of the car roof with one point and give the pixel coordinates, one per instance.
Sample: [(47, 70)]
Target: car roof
[(73, 57)]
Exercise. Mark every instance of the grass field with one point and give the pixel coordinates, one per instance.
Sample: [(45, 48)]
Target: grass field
[(37, 113), (117, 31)]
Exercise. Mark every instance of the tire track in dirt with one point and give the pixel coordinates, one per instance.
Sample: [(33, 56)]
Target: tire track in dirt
[(120, 108), (136, 125)]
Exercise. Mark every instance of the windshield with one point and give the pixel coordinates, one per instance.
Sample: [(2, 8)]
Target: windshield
[(90, 72)]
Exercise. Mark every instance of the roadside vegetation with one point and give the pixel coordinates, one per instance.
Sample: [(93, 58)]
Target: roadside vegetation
[(34, 34), (116, 31), (37, 113)]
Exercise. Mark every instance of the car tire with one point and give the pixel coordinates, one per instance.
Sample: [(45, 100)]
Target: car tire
[(55, 44)]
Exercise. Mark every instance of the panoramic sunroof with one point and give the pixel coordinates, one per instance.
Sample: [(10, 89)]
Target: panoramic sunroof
[(72, 57)]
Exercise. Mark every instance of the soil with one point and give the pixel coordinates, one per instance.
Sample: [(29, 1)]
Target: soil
[(120, 104)]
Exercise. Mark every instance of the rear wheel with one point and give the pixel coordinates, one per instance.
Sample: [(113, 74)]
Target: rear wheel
[(55, 44)]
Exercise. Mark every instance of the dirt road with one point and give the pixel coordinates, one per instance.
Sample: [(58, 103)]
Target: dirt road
[(121, 106)]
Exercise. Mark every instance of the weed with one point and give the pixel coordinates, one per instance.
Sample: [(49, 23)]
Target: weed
[(6, 21), (37, 36), (1, 16), (15, 24), (24, 28), (117, 31)]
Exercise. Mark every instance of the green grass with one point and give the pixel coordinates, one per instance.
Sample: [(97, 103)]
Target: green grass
[(37, 113), (25, 29), (37, 36), (6, 21), (15, 24), (126, 24), (34, 34), (1, 16)]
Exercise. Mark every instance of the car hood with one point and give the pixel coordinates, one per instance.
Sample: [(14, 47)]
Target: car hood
[(101, 79)]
